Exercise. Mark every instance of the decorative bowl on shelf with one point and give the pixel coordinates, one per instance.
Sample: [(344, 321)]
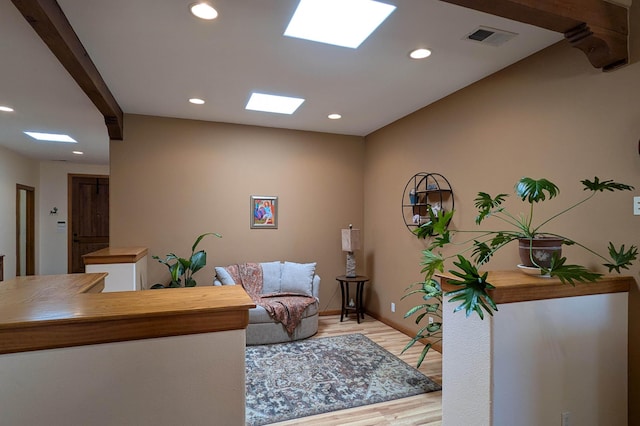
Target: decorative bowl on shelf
[(532, 270)]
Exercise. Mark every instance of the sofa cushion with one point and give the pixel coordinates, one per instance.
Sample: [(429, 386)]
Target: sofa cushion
[(271, 272), (297, 278), (223, 276)]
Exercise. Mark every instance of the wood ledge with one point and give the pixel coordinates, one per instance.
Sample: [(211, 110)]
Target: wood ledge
[(516, 286), (112, 255), (34, 318)]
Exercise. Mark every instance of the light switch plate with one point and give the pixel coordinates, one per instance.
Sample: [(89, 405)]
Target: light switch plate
[(636, 206)]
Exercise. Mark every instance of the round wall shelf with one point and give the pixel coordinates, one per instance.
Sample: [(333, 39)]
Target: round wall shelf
[(423, 192)]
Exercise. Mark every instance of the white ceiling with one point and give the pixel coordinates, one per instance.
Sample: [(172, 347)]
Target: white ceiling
[(154, 56)]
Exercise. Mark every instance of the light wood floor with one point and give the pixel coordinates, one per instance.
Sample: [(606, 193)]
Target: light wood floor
[(425, 409)]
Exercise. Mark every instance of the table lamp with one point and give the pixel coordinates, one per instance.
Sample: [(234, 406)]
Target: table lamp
[(350, 243)]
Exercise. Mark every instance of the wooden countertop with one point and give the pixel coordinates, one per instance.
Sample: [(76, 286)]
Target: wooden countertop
[(115, 255), (46, 312), (44, 287), (516, 286)]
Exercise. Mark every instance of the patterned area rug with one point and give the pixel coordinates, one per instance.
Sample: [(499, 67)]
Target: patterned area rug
[(292, 380)]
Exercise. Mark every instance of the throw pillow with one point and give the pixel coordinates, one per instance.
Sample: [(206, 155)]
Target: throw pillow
[(298, 278), (271, 272), (223, 276)]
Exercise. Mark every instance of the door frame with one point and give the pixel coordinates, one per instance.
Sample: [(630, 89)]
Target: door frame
[(30, 263), (70, 177)]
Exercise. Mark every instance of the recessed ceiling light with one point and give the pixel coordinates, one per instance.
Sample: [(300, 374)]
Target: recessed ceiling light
[(196, 101), (273, 103), (203, 10), (51, 137), (338, 22), (334, 116), (78, 152), (6, 109), (420, 53)]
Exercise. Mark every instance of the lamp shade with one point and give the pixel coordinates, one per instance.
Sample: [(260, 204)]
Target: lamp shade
[(350, 239)]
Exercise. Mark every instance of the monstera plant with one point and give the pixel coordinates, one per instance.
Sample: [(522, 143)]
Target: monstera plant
[(182, 269), (472, 285)]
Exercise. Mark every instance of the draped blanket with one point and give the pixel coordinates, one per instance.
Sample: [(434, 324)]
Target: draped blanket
[(286, 308)]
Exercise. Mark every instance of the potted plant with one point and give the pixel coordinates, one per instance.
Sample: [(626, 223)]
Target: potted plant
[(181, 269), (472, 286)]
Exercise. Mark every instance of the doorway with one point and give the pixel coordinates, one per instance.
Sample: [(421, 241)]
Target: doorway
[(25, 230), (88, 209)]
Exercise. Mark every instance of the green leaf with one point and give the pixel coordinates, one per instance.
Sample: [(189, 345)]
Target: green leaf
[(156, 286), (432, 263), (434, 326), (423, 354), (435, 307), (190, 282), (621, 259), (473, 292), (534, 190), (484, 203), (441, 240), (198, 261), (193, 248), (607, 185), (410, 344), (481, 252), (176, 270), (569, 274), (415, 309), (441, 221), (437, 224)]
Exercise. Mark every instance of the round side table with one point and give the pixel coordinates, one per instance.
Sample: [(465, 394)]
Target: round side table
[(344, 290)]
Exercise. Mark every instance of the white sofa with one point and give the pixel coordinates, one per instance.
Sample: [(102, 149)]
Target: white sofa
[(280, 277)]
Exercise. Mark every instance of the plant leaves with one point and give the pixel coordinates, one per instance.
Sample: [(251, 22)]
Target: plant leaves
[(415, 309), (606, 185), (473, 294), (621, 259), (423, 354), (200, 237), (176, 270), (534, 190), (198, 261), (437, 224), (484, 203), (569, 274), (432, 263)]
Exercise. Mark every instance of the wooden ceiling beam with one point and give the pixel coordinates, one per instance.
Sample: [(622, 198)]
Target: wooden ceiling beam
[(50, 23), (597, 27)]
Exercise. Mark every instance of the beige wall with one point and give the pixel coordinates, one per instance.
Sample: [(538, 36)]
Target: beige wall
[(53, 193), (551, 115), (173, 179), (14, 169), (195, 380)]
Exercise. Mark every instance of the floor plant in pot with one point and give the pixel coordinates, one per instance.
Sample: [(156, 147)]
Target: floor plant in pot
[(182, 269), (468, 255)]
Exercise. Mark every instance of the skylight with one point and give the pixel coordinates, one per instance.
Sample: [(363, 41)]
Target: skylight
[(273, 103), (51, 137), (345, 23)]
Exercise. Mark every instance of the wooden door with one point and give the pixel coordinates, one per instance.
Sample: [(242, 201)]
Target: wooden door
[(88, 217)]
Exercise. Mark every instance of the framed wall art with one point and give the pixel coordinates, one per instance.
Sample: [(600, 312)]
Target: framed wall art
[(264, 212)]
